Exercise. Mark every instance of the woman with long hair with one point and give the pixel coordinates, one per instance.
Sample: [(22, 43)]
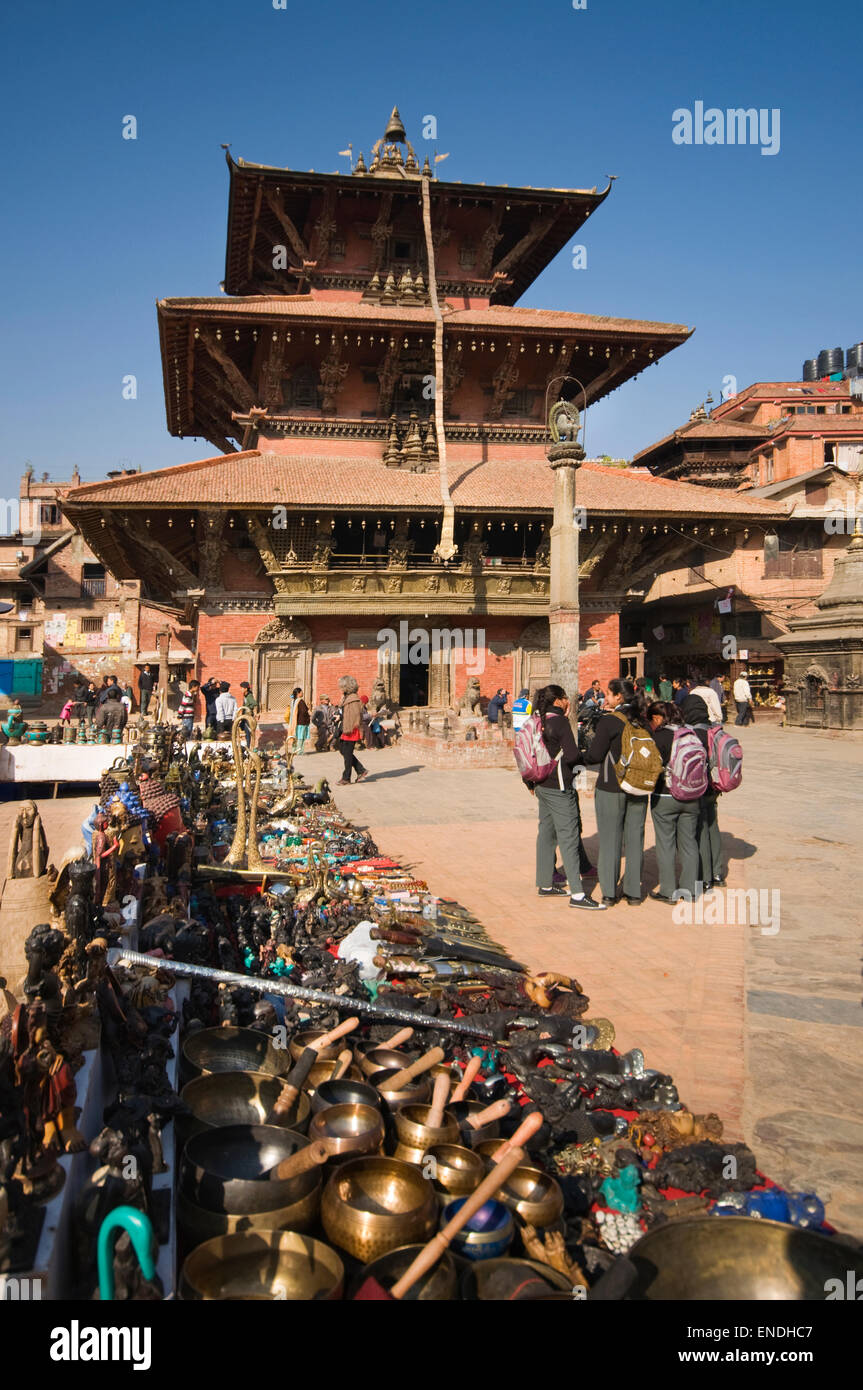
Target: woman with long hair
[(620, 816), (675, 823), (559, 811)]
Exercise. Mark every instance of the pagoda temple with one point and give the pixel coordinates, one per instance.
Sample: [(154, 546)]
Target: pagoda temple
[(378, 400)]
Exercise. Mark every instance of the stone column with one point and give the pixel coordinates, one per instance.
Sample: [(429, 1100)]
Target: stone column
[(564, 612)]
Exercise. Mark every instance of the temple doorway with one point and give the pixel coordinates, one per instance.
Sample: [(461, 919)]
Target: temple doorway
[(414, 683)]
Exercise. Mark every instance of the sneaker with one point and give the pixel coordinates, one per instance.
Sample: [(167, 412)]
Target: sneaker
[(343, 782), (362, 777), (589, 904), (555, 891)]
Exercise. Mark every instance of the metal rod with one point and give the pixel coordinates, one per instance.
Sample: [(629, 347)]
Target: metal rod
[(315, 996)]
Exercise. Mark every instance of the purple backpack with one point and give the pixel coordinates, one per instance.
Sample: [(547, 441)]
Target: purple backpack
[(532, 758), (686, 776), (726, 759)]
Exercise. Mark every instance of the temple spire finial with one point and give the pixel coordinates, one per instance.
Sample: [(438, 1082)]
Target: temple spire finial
[(395, 131)]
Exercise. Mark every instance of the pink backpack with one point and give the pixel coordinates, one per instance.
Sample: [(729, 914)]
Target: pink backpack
[(686, 776), (726, 759), (532, 758)]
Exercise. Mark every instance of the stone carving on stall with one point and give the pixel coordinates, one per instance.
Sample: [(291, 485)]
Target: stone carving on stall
[(28, 848)]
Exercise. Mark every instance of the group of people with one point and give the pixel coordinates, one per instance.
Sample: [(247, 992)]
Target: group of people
[(644, 729), (105, 706)]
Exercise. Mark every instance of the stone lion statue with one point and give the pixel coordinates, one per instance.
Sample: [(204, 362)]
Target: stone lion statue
[(470, 703)]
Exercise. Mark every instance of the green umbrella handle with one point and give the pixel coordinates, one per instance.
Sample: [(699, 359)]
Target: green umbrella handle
[(137, 1224)]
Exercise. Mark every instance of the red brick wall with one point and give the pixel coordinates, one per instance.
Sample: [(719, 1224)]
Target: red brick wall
[(602, 665)]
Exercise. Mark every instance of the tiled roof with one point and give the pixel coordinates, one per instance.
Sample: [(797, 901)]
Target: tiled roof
[(820, 425), (303, 306), (705, 429), (255, 479)]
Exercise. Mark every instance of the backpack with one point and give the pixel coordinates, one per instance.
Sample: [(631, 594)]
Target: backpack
[(532, 758), (725, 759), (686, 775), (639, 766)]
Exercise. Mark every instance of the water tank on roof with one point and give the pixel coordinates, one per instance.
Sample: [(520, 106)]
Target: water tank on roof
[(831, 360), (854, 356), (810, 369)]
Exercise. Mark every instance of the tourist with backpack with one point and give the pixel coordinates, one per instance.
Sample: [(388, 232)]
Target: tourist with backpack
[(629, 768), (676, 800), (546, 754), (724, 769)]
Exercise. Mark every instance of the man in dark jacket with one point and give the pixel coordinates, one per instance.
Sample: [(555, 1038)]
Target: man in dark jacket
[(111, 713), (496, 704), (211, 690), (146, 683)]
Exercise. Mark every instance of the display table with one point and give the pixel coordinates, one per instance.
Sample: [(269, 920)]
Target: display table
[(58, 762)]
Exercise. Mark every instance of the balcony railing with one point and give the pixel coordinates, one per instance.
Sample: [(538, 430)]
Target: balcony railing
[(93, 588)]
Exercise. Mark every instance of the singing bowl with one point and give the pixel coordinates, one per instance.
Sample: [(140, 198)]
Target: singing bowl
[(300, 1041), (486, 1236), (196, 1224), (233, 1049), (472, 1137), (533, 1195), (223, 1098), (227, 1169), (259, 1265), (453, 1170), (373, 1205), (475, 1278), (439, 1285), (323, 1071), (418, 1092), (344, 1092), (738, 1257), (415, 1136), (377, 1059), (349, 1129)]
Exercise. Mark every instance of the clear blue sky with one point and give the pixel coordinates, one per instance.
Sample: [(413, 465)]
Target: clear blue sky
[(761, 253)]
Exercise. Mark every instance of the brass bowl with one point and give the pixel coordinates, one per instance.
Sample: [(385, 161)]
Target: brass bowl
[(418, 1092), (239, 1098), (534, 1195), (377, 1059), (300, 1041), (487, 1148), (323, 1071), (373, 1205), (472, 1137), (739, 1257), (475, 1278), (259, 1265), (415, 1136), (439, 1285), (344, 1092), (349, 1129), (228, 1169), (457, 1171), (233, 1049), (196, 1224)]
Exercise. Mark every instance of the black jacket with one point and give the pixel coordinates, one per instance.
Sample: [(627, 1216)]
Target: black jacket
[(558, 735), (604, 751), (146, 680)]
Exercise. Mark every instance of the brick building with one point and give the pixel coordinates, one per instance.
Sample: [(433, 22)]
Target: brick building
[(70, 614), (379, 402)]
